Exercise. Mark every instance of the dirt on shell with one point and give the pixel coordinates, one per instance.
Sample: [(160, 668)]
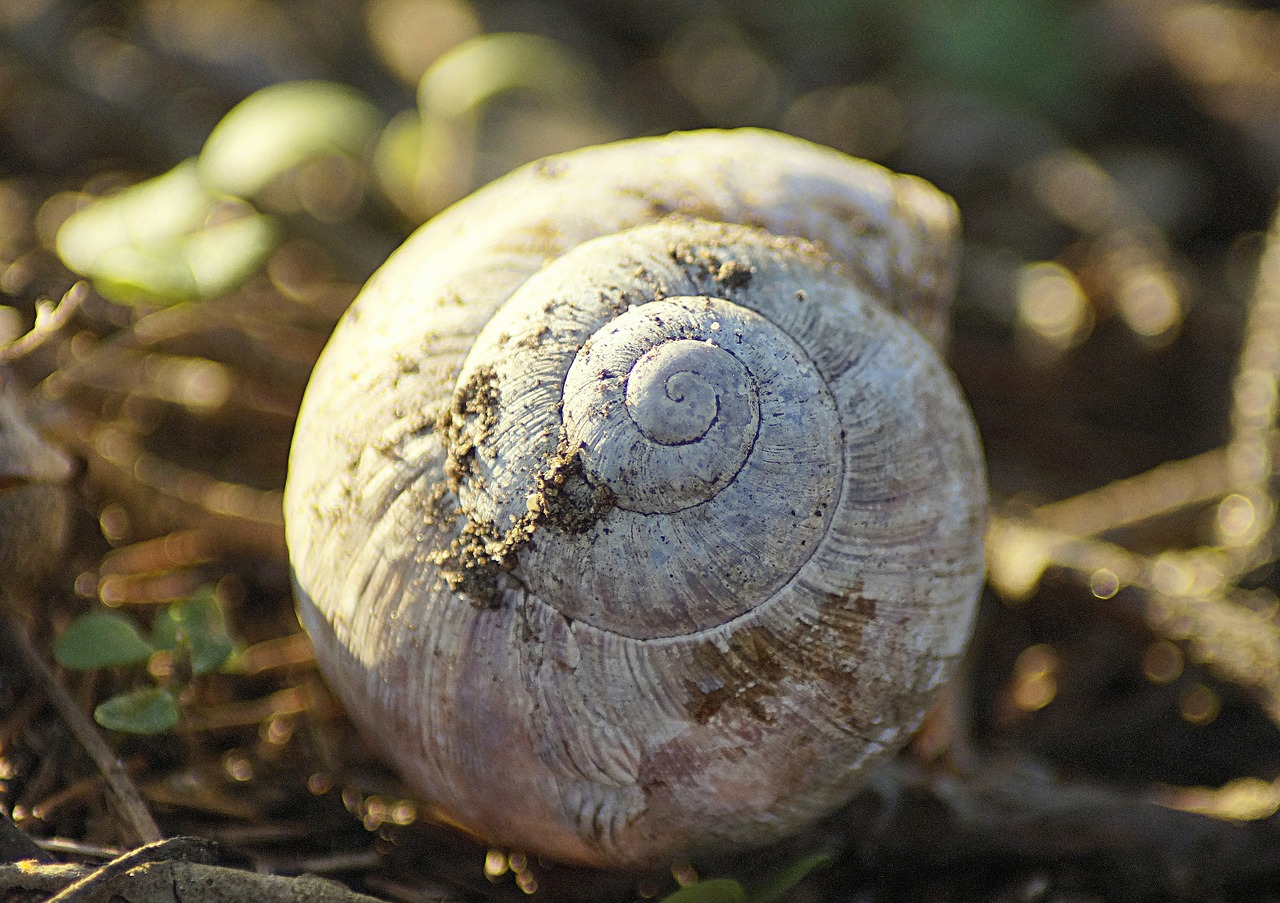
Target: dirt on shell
[(562, 500), (706, 266), (468, 422), (746, 672), (756, 659)]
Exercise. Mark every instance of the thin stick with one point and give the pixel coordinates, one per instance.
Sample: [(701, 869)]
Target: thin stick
[(120, 787), (1255, 403), (1162, 490), (49, 319)]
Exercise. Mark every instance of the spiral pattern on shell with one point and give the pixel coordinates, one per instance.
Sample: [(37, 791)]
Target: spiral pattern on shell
[(627, 513)]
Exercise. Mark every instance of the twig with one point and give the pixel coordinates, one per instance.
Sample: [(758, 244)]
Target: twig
[(78, 849), (1164, 489), (95, 886), (1237, 643), (49, 319), (1012, 811), (1193, 594), (1255, 403), (235, 516), (140, 826), (183, 868)]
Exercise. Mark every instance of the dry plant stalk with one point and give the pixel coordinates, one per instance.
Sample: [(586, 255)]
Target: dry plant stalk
[(1192, 595)]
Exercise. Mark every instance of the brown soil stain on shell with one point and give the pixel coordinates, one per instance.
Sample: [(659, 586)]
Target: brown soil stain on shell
[(466, 564), (757, 659), (477, 554), (562, 496), (724, 264), (706, 266), (543, 239), (481, 552), (746, 671), (561, 499), (468, 422)]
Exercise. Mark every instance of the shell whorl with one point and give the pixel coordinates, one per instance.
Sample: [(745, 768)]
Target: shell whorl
[(665, 417), (649, 513)]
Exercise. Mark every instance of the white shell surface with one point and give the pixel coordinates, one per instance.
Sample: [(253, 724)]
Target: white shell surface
[(626, 513)]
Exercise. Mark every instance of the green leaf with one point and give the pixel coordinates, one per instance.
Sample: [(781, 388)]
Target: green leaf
[(464, 79), (166, 630), (113, 239), (101, 639), (211, 644), (140, 215), (196, 623), (398, 158), (777, 887), (222, 256), (147, 711), (428, 160), (166, 240), (717, 890), (275, 129)]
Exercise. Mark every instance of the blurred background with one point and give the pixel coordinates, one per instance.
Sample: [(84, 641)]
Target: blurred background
[(1116, 163)]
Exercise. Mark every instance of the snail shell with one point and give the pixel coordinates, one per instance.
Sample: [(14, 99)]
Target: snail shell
[(627, 513)]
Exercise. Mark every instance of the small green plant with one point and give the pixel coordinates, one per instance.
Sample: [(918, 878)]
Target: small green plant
[(204, 227), (191, 637), (194, 232), (727, 890)]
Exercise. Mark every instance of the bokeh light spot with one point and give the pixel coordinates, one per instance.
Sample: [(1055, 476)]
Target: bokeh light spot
[(1104, 583), (1199, 705), (1237, 520), (1162, 662), (1034, 677), (1052, 305)]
